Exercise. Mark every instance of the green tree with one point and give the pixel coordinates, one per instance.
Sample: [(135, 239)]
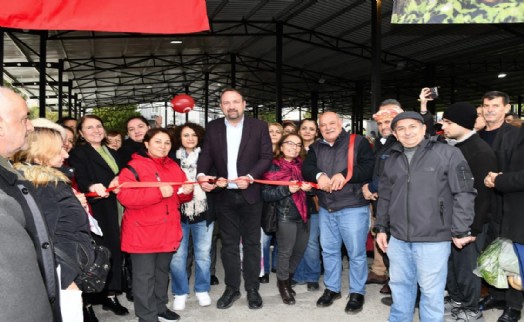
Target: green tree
[(34, 113), (115, 117)]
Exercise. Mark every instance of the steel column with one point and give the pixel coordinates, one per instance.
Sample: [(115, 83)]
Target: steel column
[(279, 60), (376, 86), (42, 71)]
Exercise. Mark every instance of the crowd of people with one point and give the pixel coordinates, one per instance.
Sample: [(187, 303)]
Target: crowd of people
[(434, 195)]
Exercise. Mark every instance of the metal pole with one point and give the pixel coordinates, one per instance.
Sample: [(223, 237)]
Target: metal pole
[(70, 97), (42, 71), (376, 21), (165, 113), (206, 97), (74, 104), (314, 105), (233, 71), (2, 56), (60, 87), (186, 89), (279, 61)]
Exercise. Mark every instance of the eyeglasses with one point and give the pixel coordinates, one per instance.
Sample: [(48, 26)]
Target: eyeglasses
[(293, 144)]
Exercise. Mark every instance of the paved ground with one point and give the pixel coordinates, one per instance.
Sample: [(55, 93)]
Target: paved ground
[(274, 310)]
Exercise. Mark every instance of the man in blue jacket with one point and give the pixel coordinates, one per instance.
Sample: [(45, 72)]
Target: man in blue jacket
[(426, 199)]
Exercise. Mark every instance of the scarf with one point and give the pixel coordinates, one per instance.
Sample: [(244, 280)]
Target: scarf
[(188, 163), (290, 171)]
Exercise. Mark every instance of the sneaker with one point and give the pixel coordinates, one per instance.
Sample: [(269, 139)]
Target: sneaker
[(203, 298), (450, 306), (179, 303), (168, 315), (464, 315)]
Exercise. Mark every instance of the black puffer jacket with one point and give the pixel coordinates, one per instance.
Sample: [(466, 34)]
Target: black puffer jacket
[(286, 209)]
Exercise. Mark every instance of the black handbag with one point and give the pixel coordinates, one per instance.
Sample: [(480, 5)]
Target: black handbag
[(93, 274), (269, 218)]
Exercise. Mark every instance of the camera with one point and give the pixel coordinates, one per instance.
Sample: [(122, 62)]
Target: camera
[(433, 92)]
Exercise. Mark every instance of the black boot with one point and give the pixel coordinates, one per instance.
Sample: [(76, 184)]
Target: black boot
[(283, 288), (89, 314)]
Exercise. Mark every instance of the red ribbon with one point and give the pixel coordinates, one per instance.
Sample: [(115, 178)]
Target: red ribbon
[(153, 184)]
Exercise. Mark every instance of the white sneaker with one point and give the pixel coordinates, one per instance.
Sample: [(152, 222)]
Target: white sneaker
[(203, 298), (179, 303)]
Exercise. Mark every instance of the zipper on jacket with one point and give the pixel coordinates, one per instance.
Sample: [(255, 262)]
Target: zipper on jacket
[(442, 212), (407, 196), (167, 210)]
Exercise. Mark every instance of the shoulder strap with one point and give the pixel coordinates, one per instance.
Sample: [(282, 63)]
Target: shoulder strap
[(351, 156), (133, 171), (67, 259), (42, 236)]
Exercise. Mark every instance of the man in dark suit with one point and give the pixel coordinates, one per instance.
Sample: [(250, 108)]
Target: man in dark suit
[(239, 149), (32, 280)]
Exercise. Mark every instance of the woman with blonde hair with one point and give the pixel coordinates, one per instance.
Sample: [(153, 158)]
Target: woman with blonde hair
[(65, 217)]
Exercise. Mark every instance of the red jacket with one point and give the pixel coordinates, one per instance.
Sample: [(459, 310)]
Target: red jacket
[(151, 223)]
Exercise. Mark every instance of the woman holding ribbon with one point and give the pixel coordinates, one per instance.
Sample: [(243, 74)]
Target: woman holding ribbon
[(151, 230), (96, 168), (197, 223), (290, 202)]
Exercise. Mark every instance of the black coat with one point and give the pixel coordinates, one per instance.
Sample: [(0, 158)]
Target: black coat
[(91, 168), (23, 290), (9, 183), (481, 160), (66, 219), (128, 148), (511, 184), (503, 147)]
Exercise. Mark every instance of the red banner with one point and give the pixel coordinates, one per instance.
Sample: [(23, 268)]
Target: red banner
[(153, 16)]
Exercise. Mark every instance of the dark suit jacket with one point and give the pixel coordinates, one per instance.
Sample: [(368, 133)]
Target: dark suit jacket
[(254, 154)]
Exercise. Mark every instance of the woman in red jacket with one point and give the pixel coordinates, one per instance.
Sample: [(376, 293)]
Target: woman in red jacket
[(151, 230)]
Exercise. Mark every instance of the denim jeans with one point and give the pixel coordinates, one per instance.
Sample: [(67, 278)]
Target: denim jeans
[(422, 262), (308, 269), (266, 251), (348, 225), (201, 235)]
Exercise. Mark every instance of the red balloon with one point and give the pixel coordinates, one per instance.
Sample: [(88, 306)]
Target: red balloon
[(183, 103)]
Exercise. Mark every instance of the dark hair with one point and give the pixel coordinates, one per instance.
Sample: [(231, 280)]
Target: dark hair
[(177, 134), (140, 117), (231, 90), (80, 139), (114, 133), (390, 101), (64, 119), (512, 114), (494, 94), (68, 128), (280, 155), (152, 132), (308, 120)]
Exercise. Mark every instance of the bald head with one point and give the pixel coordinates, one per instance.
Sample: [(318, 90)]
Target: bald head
[(14, 123), (330, 125)]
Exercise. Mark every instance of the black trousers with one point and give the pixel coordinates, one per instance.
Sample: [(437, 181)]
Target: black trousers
[(240, 221), (150, 282), (292, 238), (462, 284)]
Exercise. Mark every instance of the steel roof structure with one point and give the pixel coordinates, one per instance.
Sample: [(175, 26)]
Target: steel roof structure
[(280, 52)]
